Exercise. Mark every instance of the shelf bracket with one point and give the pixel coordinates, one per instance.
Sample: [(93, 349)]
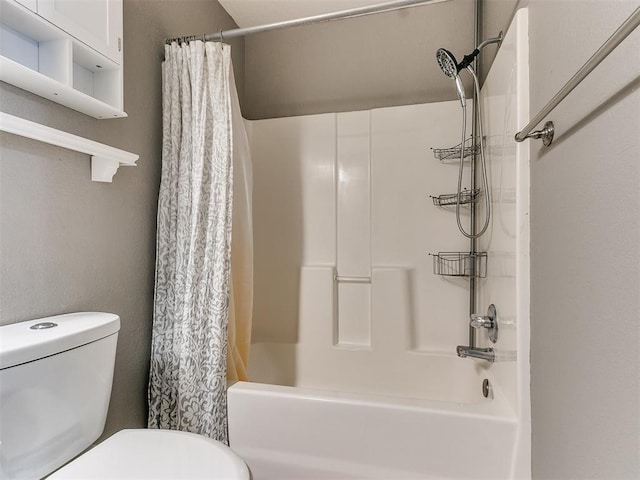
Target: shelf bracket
[(103, 169)]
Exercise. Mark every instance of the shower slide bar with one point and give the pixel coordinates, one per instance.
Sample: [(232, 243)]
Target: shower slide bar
[(607, 47), (326, 17)]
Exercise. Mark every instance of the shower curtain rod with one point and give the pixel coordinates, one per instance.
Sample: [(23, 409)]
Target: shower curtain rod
[(607, 47), (326, 17)]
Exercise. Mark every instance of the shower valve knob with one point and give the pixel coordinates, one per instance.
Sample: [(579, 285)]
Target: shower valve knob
[(481, 321), (488, 321)]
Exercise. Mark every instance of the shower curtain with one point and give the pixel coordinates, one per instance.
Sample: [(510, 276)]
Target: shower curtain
[(241, 302), (199, 332)]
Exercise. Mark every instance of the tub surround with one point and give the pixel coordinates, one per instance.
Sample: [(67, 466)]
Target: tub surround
[(358, 334)]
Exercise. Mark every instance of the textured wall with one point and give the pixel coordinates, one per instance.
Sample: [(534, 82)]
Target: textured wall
[(356, 64), (585, 260), (69, 244)]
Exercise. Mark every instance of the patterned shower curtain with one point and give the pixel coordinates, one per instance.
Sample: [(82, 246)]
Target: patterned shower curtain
[(187, 385)]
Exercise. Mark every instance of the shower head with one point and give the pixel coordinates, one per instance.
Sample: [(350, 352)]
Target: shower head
[(449, 67), (447, 62)]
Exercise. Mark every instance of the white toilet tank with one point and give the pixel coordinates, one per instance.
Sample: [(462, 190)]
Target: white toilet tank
[(55, 385)]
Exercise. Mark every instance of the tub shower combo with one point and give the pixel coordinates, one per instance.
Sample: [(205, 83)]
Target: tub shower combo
[(359, 367)]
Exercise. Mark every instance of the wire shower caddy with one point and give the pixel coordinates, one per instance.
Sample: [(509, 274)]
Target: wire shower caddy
[(453, 153), (460, 264), (466, 197)]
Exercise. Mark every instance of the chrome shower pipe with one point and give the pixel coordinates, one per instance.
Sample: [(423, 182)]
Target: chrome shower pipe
[(473, 245), (473, 241)]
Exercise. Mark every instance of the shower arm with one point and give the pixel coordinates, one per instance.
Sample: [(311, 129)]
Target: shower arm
[(468, 59), (489, 41)]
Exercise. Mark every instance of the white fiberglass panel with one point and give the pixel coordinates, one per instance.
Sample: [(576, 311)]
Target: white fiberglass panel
[(383, 371), (505, 102), (354, 192), (353, 242), (350, 191), (407, 226), (294, 214)]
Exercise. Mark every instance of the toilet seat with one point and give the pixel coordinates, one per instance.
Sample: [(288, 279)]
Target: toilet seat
[(156, 454)]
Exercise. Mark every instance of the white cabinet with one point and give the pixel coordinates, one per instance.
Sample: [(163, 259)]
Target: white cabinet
[(77, 63), (97, 23)]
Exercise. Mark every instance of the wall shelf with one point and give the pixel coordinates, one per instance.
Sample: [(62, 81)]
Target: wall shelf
[(105, 160), (35, 82)]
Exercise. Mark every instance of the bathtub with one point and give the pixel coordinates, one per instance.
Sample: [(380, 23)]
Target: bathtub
[(294, 431)]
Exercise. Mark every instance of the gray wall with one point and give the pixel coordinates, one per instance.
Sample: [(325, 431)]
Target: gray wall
[(496, 17), (69, 244), (585, 233), (356, 64)]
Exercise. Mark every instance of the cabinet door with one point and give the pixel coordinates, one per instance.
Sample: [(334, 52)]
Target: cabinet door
[(98, 23)]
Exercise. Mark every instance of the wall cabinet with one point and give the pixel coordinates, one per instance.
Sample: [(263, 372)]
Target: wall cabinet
[(69, 51), (97, 23)]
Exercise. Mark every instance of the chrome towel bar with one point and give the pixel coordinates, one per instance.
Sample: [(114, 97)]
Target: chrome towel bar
[(607, 47)]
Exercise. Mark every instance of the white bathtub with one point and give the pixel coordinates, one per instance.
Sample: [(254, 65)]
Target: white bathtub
[(299, 433), (335, 419)]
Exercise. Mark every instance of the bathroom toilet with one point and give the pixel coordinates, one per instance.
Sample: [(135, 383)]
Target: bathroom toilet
[(155, 454), (55, 383)]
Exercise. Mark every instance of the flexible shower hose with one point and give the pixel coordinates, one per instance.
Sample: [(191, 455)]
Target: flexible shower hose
[(487, 199)]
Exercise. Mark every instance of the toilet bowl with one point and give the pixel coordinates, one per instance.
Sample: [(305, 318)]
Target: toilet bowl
[(155, 454), (55, 384)]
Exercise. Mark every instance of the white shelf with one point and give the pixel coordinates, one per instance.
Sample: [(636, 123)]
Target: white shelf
[(44, 86), (105, 160)]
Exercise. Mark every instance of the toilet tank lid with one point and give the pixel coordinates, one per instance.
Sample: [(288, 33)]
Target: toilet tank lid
[(19, 343)]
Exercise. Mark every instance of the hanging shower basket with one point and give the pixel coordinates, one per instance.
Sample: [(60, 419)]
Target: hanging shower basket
[(466, 197), (453, 153), (460, 264)]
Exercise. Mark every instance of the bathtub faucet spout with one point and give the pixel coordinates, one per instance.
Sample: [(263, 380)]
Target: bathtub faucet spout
[(487, 354)]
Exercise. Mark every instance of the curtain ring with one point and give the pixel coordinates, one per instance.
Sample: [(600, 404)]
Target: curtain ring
[(221, 36)]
